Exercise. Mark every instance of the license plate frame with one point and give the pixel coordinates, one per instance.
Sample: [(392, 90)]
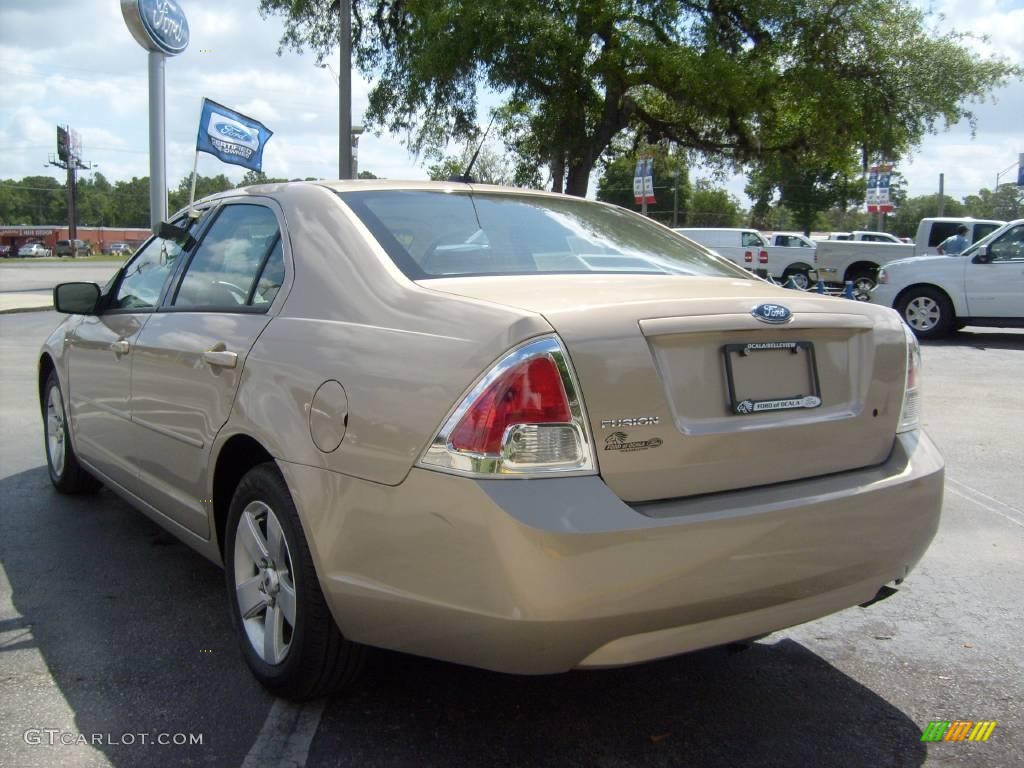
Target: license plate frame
[(749, 406)]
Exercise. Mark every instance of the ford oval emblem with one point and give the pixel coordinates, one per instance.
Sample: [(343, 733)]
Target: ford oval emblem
[(157, 25), (771, 313), (233, 132)]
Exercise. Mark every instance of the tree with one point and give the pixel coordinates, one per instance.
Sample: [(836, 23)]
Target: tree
[(806, 187), (904, 222), (367, 175), (712, 206), (205, 185), (491, 165), (739, 82), (250, 178), (616, 182), (1006, 203)]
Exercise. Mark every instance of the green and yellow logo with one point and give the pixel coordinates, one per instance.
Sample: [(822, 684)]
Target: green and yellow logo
[(958, 730)]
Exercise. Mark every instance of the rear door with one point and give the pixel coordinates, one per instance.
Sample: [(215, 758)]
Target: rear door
[(190, 356)]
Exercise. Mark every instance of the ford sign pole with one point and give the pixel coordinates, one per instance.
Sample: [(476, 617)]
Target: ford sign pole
[(161, 28), (157, 142), (345, 91)]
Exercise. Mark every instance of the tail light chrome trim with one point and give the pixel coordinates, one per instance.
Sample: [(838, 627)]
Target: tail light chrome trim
[(442, 456)]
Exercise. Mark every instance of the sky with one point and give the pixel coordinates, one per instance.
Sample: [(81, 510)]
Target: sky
[(74, 62)]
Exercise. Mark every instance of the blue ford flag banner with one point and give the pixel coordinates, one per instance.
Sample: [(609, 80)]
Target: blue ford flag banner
[(231, 136)]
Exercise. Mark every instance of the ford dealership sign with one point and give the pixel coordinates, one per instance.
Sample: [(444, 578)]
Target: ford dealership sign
[(157, 25)]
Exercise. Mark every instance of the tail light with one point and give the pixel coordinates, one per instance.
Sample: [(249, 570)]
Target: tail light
[(910, 412), (762, 257), (524, 418), (748, 257)]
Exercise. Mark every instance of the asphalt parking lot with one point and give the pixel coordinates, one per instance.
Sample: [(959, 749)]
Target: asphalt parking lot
[(110, 628)]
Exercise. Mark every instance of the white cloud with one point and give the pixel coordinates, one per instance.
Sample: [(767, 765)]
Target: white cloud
[(73, 61)]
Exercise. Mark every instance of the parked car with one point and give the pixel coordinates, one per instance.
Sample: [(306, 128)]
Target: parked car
[(33, 249), (118, 249), (516, 430), (984, 285), (749, 249), (858, 262), (72, 248), (5, 251)]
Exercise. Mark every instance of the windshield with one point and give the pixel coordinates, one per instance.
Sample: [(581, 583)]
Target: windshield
[(441, 234)]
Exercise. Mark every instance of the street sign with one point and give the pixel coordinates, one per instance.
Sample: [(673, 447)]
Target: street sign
[(877, 198)]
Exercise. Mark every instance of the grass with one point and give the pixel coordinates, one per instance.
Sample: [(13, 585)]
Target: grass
[(113, 258)]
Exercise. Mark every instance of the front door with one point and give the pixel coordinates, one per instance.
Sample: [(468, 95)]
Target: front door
[(100, 361), (996, 289), (189, 357)]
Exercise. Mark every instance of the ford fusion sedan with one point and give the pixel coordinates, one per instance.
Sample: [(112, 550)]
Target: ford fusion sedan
[(514, 430), (982, 286)]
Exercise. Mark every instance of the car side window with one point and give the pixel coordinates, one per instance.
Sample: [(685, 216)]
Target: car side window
[(750, 240), (144, 277), (236, 250), (271, 278), (1009, 246)]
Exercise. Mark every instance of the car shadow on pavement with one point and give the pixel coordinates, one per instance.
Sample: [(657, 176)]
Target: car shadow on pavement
[(774, 704), (981, 340), (132, 628)]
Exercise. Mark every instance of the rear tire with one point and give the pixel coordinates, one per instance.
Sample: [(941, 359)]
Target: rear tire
[(288, 637), (66, 474), (863, 284), (928, 312)]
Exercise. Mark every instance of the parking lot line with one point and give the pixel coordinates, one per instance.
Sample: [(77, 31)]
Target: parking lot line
[(975, 496), (284, 739)]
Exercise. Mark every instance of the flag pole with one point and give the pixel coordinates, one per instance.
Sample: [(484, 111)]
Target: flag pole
[(192, 194)]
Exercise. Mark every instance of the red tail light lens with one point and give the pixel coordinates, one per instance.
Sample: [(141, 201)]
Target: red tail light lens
[(524, 418), (763, 257), (528, 393), (748, 257)]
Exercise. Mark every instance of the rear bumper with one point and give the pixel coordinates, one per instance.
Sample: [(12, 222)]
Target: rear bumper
[(546, 575)]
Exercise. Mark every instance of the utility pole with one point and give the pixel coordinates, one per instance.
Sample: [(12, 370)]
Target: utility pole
[(68, 150), (942, 193), (345, 91)]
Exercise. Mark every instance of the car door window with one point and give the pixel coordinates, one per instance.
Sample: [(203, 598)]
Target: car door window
[(235, 251), (271, 278), (143, 279), (749, 240), (1009, 246)]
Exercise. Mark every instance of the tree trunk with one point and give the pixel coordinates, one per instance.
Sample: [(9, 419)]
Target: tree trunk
[(557, 172), (579, 177)]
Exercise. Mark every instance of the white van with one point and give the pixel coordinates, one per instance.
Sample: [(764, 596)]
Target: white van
[(750, 249)]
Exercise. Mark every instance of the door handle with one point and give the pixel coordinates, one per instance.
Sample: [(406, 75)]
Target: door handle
[(121, 347), (221, 358)]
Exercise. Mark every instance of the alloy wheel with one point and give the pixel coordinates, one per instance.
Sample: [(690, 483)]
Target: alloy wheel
[(922, 313), (56, 433), (264, 584)]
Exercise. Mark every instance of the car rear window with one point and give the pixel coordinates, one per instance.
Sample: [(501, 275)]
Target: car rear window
[(451, 234)]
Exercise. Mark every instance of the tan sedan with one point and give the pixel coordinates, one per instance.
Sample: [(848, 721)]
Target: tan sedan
[(515, 430)]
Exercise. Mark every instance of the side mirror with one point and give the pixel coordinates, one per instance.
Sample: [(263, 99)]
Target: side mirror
[(76, 298), (982, 256)]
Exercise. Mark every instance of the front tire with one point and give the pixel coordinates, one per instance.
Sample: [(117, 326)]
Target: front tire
[(928, 312), (288, 637), (66, 474)]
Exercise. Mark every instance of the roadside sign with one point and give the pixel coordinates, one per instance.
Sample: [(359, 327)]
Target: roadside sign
[(877, 198)]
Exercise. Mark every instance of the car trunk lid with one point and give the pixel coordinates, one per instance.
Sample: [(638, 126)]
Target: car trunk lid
[(687, 392)]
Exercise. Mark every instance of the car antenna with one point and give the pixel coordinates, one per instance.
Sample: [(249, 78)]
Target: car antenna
[(464, 177)]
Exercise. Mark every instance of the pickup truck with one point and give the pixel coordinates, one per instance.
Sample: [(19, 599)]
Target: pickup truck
[(863, 235), (839, 261), (750, 249), (984, 285)]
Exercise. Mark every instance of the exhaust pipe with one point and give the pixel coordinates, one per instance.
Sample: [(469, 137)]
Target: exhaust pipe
[(882, 594)]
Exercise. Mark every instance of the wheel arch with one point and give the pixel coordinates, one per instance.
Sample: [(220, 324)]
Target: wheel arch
[(918, 286), (45, 368), (238, 455), (860, 268), (798, 266)]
